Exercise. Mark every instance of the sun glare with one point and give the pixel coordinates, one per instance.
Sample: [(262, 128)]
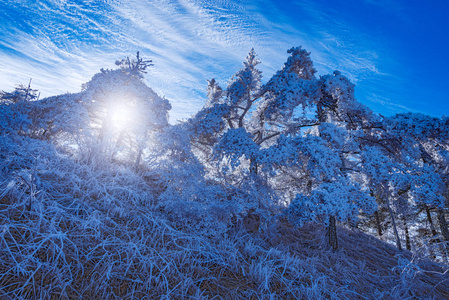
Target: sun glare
[(121, 116)]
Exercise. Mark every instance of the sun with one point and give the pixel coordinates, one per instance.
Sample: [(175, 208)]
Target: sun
[(121, 116)]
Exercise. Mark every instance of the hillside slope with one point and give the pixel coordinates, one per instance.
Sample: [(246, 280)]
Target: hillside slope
[(75, 233)]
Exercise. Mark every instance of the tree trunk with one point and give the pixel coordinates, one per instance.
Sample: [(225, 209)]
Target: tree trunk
[(429, 218), (398, 241), (444, 232), (443, 224), (407, 237), (434, 238), (139, 156), (332, 233), (379, 229)]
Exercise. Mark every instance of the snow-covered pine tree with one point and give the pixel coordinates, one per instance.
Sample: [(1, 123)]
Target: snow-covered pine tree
[(424, 140), (256, 119)]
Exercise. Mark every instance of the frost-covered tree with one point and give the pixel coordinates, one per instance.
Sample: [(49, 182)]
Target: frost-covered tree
[(291, 87), (15, 111), (243, 90), (134, 67), (230, 108), (222, 126), (112, 118), (21, 93), (399, 150), (124, 111), (425, 143), (249, 127), (386, 179), (332, 192)]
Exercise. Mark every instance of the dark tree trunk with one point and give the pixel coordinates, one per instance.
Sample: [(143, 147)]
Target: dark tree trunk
[(444, 232), (434, 238), (379, 229), (332, 233), (443, 225), (429, 218), (398, 241), (407, 237), (138, 158)]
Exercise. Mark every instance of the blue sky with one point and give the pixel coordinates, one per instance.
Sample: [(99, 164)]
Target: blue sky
[(394, 51)]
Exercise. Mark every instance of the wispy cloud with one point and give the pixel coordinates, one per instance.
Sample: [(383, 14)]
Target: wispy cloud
[(389, 104), (64, 43)]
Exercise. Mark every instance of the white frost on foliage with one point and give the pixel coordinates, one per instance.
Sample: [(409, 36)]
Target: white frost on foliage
[(236, 143), (341, 199)]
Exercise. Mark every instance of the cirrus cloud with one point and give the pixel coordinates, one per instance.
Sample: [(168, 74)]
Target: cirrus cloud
[(61, 44)]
